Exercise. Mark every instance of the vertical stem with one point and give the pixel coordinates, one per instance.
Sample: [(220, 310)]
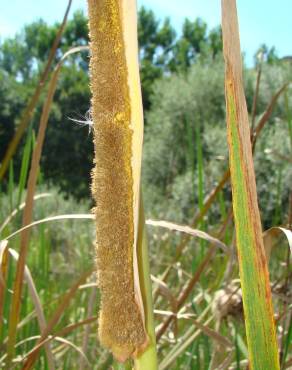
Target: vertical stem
[(148, 359), (200, 167), (256, 94), (289, 117)]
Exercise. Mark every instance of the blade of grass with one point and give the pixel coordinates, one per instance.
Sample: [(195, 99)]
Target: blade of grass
[(24, 164), (200, 165), (225, 364), (3, 251), (28, 112), (289, 117), (51, 219), (277, 216), (3, 273), (190, 153), (257, 89), (287, 343), (289, 223), (11, 185), (257, 301), (165, 292), (91, 306), (275, 231), (223, 341), (190, 231), (200, 190)]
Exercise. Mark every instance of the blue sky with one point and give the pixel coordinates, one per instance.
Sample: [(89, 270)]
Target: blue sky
[(261, 21)]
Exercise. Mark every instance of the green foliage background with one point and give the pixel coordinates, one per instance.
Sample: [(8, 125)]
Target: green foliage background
[(183, 98)]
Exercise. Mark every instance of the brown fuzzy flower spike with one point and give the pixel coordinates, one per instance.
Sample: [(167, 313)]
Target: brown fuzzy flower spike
[(118, 127)]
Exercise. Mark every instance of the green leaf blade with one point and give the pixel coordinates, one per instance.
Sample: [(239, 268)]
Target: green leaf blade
[(259, 319)]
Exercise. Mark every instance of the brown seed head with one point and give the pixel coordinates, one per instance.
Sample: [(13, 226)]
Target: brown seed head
[(121, 326)]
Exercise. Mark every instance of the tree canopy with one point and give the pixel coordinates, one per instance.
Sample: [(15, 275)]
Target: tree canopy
[(163, 52)]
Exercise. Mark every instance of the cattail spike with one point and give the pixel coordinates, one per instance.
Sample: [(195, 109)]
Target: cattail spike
[(118, 126)]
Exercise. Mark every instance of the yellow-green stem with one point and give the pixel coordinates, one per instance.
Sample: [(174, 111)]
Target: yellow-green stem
[(148, 359)]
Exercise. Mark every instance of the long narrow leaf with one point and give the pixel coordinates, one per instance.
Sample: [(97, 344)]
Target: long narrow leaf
[(188, 230), (259, 321), (3, 273), (86, 216)]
